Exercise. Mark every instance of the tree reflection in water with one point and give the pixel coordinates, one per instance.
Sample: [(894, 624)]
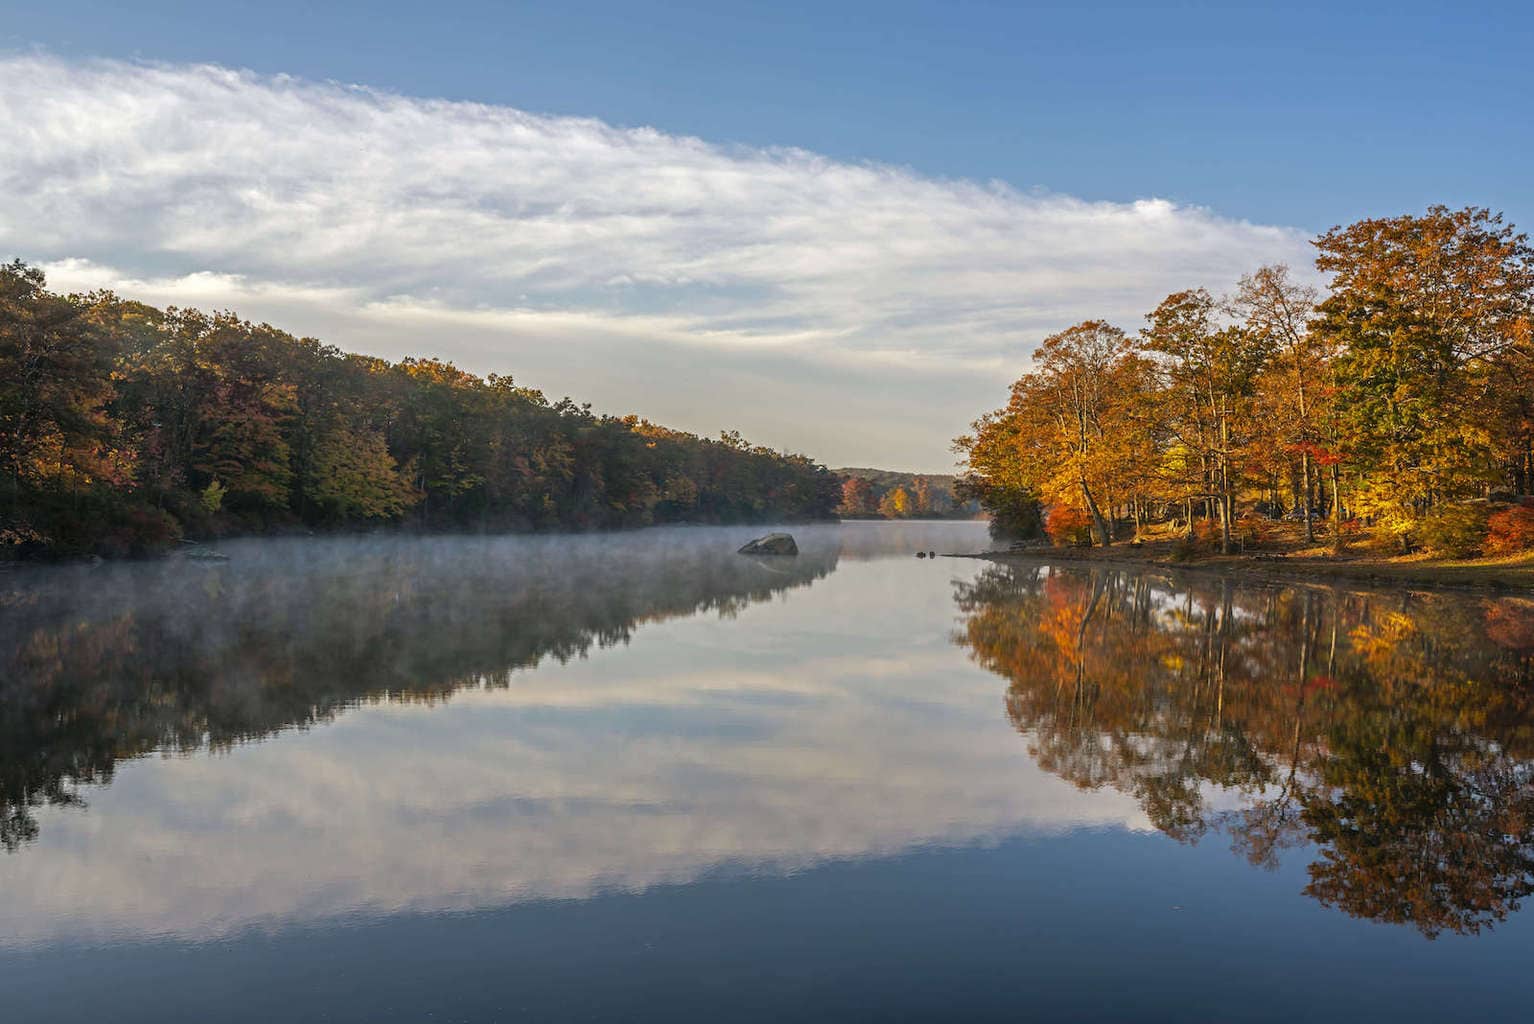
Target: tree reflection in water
[(1393, 733), (98, 665)]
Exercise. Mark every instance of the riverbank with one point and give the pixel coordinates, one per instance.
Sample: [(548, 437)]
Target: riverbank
[(1497, 573)]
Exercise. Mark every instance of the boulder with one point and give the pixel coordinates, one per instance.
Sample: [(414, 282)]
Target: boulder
[(772, 544)]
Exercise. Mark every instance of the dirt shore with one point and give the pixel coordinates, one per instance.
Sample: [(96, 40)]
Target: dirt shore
[(1500, 574)]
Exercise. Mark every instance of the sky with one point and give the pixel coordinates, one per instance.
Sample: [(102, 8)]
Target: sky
[(840, 228)]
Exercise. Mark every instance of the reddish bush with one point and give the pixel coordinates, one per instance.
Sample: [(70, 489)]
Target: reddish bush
[(1066, 524), (1509, 530), (1207, 531)]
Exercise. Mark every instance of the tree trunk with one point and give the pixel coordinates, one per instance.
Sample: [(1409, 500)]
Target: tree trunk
[(1310, 530), (1336, 506), (1097, 516), (1225, 504)]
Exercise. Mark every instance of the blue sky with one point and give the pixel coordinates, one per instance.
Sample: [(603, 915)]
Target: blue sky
[(1301, 113), (1255, 125)]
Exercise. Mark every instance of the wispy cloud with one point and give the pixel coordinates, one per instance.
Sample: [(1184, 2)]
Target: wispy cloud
[(793, 296)]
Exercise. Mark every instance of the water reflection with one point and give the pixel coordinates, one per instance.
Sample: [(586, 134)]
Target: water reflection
[(800, 716), (1391, 735), (107, 663)]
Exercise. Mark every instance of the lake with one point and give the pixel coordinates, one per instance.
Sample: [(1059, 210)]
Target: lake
[(641, 777)]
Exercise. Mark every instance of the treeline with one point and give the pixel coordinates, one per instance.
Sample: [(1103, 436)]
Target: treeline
[(124, 427), (888, 494), (1400, 400)]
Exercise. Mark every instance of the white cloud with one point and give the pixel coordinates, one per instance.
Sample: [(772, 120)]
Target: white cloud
[(795, 297)]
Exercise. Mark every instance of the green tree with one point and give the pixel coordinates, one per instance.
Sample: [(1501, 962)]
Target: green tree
[(1428, 312), (353, 476)]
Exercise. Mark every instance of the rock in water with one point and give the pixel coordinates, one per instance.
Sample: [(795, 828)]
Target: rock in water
[(772, 544)]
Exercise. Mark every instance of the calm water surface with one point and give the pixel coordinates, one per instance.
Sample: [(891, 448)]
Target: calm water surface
[(641, 777)]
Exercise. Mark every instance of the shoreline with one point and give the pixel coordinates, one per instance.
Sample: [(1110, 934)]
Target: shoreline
[(1511, 574)]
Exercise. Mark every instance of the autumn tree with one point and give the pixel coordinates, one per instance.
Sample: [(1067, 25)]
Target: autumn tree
[(1001, 477), (121, 425), (1277, 310), (55, 364), (896, 503), (921, 496), (1430, 315), (857, 497), (1210, 372)]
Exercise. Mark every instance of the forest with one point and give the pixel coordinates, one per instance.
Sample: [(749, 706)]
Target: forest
[(889, 494), (1396, 406), (125, 428)]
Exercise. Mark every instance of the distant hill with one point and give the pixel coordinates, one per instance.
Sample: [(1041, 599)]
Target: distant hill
[(890, 478), (882, 502)]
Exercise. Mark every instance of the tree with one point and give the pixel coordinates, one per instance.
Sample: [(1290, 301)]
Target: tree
[(1001, 477), (241, 443), (1210, 374), (55, 364), (1277, 311), (857, 497), (121, 424), (1408, 387), (921, 496), (1427, 313), (1073, 387), (353, 476), (1064, 435), (896, 503)]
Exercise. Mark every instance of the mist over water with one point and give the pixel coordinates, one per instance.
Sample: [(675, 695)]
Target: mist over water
[(512, 673), (327, 777)]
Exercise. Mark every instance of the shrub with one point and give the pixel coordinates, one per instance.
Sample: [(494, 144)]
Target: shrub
[(1510, 530), (1255, 529), (1184, 549), (1340, 537), (213, 497), (138, 530), (1067, 524), (1015, 511), (1454, 531), (1207, 531)]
